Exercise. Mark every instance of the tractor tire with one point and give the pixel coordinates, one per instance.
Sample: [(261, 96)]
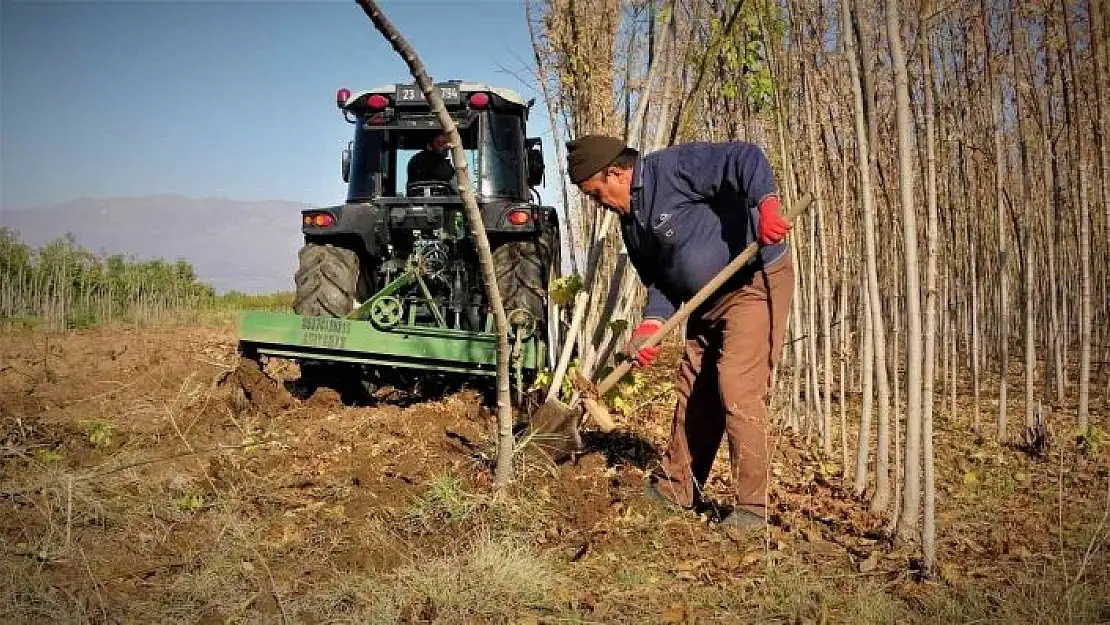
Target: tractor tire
[(524, 268), (327, 281)]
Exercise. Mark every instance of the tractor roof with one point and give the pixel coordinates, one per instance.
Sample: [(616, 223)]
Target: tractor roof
[(507, 94)]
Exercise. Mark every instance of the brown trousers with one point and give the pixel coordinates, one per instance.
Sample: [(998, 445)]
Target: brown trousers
[(723, 385)]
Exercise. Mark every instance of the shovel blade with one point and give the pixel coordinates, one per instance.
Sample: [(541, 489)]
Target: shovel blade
[(555, 427)]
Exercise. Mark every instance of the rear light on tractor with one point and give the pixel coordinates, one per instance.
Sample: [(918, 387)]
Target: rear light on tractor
[(479, 100), (519, 218), (377, 102), (341, 97), (318, 220)]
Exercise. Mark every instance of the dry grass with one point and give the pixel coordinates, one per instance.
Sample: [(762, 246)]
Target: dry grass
[(156, 501), (488, 579)]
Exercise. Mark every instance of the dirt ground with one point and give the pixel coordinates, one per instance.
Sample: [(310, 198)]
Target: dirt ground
[(147, 476)]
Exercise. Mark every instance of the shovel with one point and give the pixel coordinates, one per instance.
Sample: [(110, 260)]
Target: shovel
[(560, 419)]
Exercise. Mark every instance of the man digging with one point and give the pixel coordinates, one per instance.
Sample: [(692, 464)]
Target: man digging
[(685, 212)]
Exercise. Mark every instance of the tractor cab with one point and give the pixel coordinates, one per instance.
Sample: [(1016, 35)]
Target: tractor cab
[(395, 123)]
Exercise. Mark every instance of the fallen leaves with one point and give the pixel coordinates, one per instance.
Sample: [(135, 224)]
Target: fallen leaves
[(679, 614), (870, 563)]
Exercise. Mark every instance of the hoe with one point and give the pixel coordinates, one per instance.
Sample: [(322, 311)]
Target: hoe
[(559, 422)]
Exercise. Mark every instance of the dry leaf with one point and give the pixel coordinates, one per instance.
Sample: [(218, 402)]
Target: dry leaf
[(751, 557), (949, 572), (674, 615), (870, 563)]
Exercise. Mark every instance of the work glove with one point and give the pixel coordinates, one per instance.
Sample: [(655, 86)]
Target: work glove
[(772, 226), (644, 356)]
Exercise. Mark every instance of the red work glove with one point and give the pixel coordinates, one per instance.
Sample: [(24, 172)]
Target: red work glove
[(640, 335), (772, 226)]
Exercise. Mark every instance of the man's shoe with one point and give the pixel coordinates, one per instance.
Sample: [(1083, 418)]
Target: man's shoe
[(742, 520)]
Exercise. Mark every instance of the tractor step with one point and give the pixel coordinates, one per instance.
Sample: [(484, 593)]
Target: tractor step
[(288, 335)]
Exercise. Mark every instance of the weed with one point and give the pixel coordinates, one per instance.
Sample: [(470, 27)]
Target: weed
[(617, 326), (565, 289), (634, 390), (48, 457), (490, 579), (446, 500), (1090, 440), (99, 433), (632, 578), (189, 501)]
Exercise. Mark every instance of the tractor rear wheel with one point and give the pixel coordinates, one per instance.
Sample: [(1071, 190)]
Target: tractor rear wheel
[(327, 281), (524, 267)]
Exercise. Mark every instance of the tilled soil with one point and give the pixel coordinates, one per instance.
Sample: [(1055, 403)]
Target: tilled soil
[(154, 476)]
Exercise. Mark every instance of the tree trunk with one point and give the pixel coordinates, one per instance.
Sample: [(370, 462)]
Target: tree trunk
[(911, 500), (976, 342), (881, 496), (1085, 316), (1024, 231), (1099, 25), (1002, 319), (1050, 216), (666, 100), (843, 332), (576, 332), (504, 469), (1077, 127), (797, 357), (928, 535), (560, 150), (867, 360), (818, 263)]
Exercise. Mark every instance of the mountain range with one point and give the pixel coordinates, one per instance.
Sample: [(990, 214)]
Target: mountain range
[(232, 244)]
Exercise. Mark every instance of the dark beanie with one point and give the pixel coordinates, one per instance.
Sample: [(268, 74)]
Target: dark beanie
[(590, 154)]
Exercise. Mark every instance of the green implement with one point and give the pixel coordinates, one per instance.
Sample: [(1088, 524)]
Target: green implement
[(355, 341)]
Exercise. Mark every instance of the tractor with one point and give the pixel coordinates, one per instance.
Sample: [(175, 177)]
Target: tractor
[(389, 289)]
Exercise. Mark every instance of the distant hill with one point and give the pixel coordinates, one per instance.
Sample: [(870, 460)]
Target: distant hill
[(245, 246)]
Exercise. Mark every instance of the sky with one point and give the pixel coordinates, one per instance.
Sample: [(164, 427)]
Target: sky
[(221, 98)]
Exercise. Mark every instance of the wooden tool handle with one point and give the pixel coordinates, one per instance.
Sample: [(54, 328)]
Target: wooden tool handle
[(698, 298)]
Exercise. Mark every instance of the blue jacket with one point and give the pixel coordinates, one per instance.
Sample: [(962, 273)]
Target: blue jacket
[(694, 209)]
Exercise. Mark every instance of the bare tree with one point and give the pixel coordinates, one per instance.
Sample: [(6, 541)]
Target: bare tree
[(928, 535), (1083, 163), (1009, 115), (505, 441), (1002, 319), (912, 488), (881, 496)]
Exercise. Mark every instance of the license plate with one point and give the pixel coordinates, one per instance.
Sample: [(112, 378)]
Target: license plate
[(411, 94)]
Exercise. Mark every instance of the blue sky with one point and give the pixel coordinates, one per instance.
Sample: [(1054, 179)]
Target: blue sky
[(228, 98)]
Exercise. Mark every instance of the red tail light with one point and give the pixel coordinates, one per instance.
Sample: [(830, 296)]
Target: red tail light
[(519, 218), (479, 100), (377, 101), (319, 220)]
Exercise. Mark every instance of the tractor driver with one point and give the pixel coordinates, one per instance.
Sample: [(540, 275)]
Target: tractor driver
[(431, 164)]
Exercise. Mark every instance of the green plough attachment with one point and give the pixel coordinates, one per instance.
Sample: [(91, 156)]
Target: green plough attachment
[(358, 341)]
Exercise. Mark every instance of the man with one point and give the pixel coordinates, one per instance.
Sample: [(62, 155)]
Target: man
[(685, 212), (431, 164)]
